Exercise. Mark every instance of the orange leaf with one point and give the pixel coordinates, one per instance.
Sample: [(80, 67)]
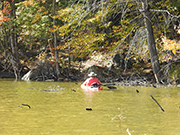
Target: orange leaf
[(54, 64), (51, 29)]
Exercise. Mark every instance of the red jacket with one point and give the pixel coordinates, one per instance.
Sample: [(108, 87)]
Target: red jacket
[(89, 81)]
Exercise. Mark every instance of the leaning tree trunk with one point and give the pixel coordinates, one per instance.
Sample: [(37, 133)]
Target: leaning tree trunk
[(151, 41), (14, 59)]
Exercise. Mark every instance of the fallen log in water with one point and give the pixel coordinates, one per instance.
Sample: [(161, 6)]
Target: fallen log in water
[(157, 102)]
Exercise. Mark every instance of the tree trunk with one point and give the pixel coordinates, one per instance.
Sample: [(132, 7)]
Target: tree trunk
[(55, 40), (151, 41), (13, 42)]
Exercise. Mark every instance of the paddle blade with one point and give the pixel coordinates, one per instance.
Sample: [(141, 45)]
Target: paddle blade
[(110, 87)]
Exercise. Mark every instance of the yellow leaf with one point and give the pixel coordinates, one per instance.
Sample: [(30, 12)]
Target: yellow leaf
[(174, 51), (178, 46), (46, 12), (43, 1)]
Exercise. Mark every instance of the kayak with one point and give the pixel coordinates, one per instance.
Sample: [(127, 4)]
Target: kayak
[(90, 88)]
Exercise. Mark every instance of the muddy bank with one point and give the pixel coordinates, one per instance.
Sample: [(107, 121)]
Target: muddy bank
[(6, 74), (47, 72), (108, 71)]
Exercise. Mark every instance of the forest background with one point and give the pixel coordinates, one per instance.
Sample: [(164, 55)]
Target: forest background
[(66, 35)]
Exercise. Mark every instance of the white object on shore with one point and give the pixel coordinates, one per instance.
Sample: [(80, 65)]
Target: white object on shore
[(26, 77)]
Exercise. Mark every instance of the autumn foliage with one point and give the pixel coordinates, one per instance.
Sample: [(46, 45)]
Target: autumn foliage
[(108, 27), (4, 12)]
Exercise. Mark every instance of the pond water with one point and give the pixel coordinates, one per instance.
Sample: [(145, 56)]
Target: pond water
[(56, 109)]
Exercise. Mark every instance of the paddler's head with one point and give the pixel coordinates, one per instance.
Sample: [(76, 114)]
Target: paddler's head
[(92, 74)]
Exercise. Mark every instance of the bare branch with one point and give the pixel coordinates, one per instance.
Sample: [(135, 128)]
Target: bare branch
[(166, 11), (122, 41)]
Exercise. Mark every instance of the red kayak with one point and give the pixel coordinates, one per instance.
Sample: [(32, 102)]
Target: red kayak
[(90, 88)]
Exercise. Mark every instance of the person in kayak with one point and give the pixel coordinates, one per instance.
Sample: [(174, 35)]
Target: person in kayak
[(92, 80)]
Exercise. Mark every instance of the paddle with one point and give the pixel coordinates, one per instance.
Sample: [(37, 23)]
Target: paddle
[(108, 84), (110, 87)]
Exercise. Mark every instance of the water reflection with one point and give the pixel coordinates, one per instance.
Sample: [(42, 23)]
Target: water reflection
[(89, 96)]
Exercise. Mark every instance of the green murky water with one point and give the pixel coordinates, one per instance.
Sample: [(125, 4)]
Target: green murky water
[(57, 110)]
